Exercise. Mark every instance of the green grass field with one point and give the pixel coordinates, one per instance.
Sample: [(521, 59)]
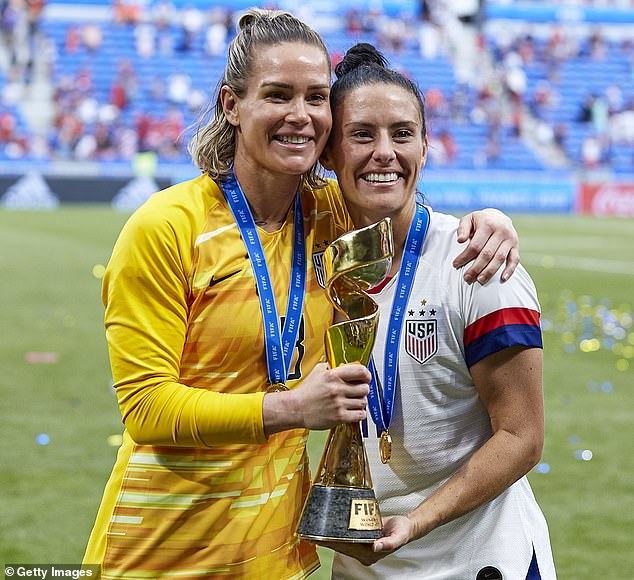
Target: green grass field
[(50, 303)]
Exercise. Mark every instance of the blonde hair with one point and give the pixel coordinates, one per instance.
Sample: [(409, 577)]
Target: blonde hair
[(213, 144)]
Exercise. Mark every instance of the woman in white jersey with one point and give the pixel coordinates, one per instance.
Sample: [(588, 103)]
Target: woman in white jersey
[(456, 403)]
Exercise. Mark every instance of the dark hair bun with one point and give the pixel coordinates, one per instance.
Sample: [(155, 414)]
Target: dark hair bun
[(361, 54)]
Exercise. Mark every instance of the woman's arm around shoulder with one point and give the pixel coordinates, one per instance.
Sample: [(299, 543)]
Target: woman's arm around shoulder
[(493, 243)]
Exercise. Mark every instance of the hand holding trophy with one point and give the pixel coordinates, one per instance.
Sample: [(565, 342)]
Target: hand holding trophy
[(341, 505)]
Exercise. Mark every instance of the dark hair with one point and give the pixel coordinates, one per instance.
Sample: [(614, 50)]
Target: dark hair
[(364, 65)]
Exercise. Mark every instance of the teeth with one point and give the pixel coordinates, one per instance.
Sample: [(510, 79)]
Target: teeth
[(381, 177), (292, 139)]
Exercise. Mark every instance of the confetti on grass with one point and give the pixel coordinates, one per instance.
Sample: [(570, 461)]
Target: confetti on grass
[(583, 455), (42, 439), (115, 440), (48, 358)]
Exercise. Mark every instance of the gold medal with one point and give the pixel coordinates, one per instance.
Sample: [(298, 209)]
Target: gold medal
[(277, 388), (385, 447)]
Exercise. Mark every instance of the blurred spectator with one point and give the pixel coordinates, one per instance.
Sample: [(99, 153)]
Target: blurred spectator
[(486, 109), (48, 56), (353, 23), (449, 146), (543, 100), (163, 14), (38, 149), (69, 130), (196, 100), (126, 11), (599, 113), (72, 39), (559, 48), (526, 50), (492, 149), (217, 31), (595, 47), (621, 126), (144, 128), (171, 130), (392, 34), (127, 142), (192, 22), (8, 125), (370, 20), (435, 103), (118, 95), (145, 39), (91, 37), (591, 151), (88, 110), (127, 78), (459, 106), (429, 40), (560, 136), (18, 27), (585, 110), (614, 99), (13, 144), (178, 87), (514, 77), (34, 14), (104, 143), (165, 42), (13, 89), (443, 150), (156, 88), (83, 80)]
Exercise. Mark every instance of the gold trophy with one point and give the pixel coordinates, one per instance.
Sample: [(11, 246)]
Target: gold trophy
[(341, 505)]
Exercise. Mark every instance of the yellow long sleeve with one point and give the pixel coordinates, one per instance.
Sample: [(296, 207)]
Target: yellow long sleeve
[(145, 291)]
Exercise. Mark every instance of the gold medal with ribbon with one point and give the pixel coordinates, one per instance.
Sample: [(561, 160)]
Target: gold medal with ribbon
[(276, 388), (385, 446)]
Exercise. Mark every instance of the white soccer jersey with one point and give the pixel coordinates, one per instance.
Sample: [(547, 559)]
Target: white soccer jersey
[(439, 421)]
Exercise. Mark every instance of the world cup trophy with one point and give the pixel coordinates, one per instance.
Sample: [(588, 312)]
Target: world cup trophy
[(341, 505)]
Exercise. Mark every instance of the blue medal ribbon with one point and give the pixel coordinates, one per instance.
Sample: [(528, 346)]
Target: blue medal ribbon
[(382, 404), (279, 346)]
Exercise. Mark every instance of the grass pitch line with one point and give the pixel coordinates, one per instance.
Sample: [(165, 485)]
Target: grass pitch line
[(578, 263)]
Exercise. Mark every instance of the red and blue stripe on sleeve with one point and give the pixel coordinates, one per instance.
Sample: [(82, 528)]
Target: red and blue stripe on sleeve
[(501, 329)]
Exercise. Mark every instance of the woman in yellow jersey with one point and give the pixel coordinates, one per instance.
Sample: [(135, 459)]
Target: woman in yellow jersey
[(215, 318)]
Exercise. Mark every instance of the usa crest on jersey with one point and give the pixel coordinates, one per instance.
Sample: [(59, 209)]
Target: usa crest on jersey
[(421, 339)]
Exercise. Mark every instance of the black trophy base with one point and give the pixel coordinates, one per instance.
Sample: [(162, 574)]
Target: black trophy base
[(340, 514)]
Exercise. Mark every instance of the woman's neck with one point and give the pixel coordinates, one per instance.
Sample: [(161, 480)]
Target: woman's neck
[(269, 196)]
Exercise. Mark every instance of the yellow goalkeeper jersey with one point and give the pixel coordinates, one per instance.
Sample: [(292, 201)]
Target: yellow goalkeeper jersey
[(197, 490)]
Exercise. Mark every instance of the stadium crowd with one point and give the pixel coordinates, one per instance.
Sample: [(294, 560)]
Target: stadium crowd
[(105, 105)]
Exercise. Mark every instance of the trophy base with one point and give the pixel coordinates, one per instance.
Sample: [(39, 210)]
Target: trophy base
[(340, 514)]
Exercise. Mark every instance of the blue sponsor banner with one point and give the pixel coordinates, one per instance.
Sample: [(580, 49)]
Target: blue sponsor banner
[(512, 194)]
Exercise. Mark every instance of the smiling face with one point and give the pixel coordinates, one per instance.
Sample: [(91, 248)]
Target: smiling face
[(283, 119), (377, 150)]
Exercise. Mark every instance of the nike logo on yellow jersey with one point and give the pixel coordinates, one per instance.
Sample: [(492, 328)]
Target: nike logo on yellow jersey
[(215, 281)]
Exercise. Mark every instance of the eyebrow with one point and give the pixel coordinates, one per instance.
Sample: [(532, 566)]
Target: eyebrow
[(289, 86), (364, 125)]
